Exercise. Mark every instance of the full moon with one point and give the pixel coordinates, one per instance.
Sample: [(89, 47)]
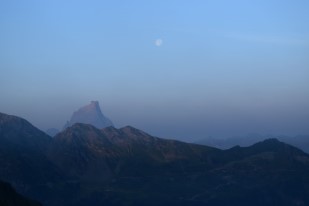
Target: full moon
[(158, 42)]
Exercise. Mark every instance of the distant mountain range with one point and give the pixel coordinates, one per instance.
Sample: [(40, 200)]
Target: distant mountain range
[(300, 141), (84, 165)]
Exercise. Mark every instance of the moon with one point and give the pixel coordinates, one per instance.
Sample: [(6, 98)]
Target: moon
[(158, 42)]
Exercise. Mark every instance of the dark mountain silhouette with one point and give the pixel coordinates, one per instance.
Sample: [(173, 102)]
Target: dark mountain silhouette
[(300, 141), (113, 151), (9, 197), (23, 158), (20, 132), (85, 149), (84, 165), (90, 114)]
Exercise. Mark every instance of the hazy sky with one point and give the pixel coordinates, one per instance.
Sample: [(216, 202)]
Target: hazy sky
[(181, 69)]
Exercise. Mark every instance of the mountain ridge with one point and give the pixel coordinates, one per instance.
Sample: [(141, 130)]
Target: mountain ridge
[(12, 126), (83, 165)]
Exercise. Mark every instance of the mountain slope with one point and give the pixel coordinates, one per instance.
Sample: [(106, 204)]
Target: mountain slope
[(178, 173), (137, 141), (23, 158), (300, 141), (9, 197), (84, 165), (269, 172), (112, 151), (20, 132), (81, 150)]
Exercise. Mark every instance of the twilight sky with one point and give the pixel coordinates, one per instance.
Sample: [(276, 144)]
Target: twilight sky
[(178, 69)]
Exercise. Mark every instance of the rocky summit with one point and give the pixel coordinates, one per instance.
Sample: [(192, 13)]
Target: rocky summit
[(90, 114)]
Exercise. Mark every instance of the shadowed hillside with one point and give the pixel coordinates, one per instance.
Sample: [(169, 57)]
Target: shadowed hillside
[(8, 197), (84, 165)]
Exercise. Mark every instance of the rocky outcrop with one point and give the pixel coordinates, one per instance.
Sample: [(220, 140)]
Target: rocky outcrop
[(90, 114)]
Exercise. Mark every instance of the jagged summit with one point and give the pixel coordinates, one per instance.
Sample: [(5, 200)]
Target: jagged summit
[(90, 114)]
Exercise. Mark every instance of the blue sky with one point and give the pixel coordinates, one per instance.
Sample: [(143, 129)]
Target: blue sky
[(224, 67)]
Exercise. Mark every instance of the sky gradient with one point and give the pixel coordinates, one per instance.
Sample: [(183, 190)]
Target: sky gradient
[(178, 69)]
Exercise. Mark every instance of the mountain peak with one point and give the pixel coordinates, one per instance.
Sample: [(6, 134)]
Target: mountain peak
[(90, 114), (132, 131), (270, 143), (274, 145), (19, 131), (94, 103)]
